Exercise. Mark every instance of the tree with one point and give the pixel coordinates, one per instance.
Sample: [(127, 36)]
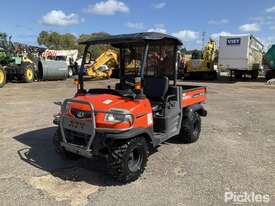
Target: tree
[(97, 49), (43, 38), (54, 40), (183, 50), (69, 41), (197, 54)]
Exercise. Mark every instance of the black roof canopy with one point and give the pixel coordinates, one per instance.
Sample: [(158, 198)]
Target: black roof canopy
[(135, 38)]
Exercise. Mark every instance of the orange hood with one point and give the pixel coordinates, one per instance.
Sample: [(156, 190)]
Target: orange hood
[(107, 101), (104, 102)]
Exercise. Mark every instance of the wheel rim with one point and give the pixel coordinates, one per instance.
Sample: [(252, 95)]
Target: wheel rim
[(70, 72), (2, 77), (135, 160), (29, 74)]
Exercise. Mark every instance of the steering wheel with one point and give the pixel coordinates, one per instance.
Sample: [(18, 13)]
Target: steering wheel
[(131, 84), (127, 93)]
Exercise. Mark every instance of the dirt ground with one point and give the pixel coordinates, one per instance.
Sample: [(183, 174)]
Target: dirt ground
[(236, 152)]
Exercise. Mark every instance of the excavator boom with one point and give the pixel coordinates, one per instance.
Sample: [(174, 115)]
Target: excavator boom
[(104, 58)]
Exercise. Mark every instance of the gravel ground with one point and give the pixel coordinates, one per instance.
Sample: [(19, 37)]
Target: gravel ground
[(236, 152)]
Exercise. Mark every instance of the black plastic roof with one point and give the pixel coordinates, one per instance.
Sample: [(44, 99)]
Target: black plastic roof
[(133, 38)]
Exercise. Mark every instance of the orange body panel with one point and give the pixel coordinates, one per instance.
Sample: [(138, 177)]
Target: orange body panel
[(193, 97), (139, 108)]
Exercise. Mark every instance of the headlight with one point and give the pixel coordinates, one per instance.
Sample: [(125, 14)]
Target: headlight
[(118, 115)]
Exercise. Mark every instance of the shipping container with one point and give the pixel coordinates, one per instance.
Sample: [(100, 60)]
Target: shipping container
[(241, 54)]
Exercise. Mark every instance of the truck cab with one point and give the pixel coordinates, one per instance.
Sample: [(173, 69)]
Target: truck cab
[(146, 107)]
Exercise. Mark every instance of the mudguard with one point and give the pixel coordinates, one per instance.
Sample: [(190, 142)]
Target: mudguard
[(131, 133), (195, 108)]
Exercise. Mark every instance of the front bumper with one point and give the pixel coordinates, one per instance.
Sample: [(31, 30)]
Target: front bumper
[(82, 151), (81, 136)]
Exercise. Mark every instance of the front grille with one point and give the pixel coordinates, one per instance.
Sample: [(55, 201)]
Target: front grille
[(81, 114), (77, 138)]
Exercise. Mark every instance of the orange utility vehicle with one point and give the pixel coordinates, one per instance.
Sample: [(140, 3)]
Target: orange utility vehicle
[(146, 108)]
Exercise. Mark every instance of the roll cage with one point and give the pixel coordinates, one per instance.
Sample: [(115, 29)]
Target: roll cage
[(150, 45)]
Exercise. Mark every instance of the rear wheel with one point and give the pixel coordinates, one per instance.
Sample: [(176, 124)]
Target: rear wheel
[(268, 75), (190, 127), (238, 74), (214, 75), (28, 73), (127, 160), (254, 74), (2, 77), (70, 72), (57, 138)]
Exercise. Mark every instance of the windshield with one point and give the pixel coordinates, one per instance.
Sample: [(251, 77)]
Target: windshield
[(133, 58), (160, 61)]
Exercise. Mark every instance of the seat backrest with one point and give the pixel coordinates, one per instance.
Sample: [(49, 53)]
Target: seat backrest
[(155, 88)]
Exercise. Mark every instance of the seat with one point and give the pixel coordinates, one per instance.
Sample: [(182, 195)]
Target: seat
[(155, 89)]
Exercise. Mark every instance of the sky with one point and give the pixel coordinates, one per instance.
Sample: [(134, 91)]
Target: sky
[(187, 20)]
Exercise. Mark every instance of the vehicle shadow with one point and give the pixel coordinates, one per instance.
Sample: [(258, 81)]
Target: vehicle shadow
[(40, 154), (175, 140)]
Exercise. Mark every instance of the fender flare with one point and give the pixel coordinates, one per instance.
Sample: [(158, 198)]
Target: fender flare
[(131, 133), (195, 108), (147, 133)]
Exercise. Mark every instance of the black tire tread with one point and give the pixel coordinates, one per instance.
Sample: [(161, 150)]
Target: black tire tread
[(116, 160), (186, 133), (5, 78), (25, 66), (254, 74)]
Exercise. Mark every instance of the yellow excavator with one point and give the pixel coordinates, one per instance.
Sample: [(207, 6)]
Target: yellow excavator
[(99, 69), (203, 68)]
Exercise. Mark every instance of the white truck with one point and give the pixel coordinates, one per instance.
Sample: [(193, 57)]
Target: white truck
[(241, 55), (70, 56)]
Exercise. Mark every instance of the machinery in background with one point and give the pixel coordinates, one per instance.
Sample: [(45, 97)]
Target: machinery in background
[(68, 56), (15, 64), (202, 67), (102, 66), (241, 55), (269, 63)]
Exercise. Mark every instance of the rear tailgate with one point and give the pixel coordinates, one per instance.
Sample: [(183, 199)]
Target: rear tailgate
[(193, 95)]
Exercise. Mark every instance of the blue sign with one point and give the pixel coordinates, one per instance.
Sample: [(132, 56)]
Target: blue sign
[(233, 41)]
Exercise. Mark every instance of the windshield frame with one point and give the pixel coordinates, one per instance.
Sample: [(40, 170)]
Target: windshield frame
[(143, 60)]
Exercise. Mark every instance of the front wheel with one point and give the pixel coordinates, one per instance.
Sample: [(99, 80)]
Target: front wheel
[(238, 75), (254, 74), (127, 160), (190, 127), (28, 73), (2, 77)]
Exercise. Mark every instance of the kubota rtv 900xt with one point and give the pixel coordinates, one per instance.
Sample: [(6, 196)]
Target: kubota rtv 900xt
[(145, 108)]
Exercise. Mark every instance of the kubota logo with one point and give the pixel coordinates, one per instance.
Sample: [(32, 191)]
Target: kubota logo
[(80, 114)]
